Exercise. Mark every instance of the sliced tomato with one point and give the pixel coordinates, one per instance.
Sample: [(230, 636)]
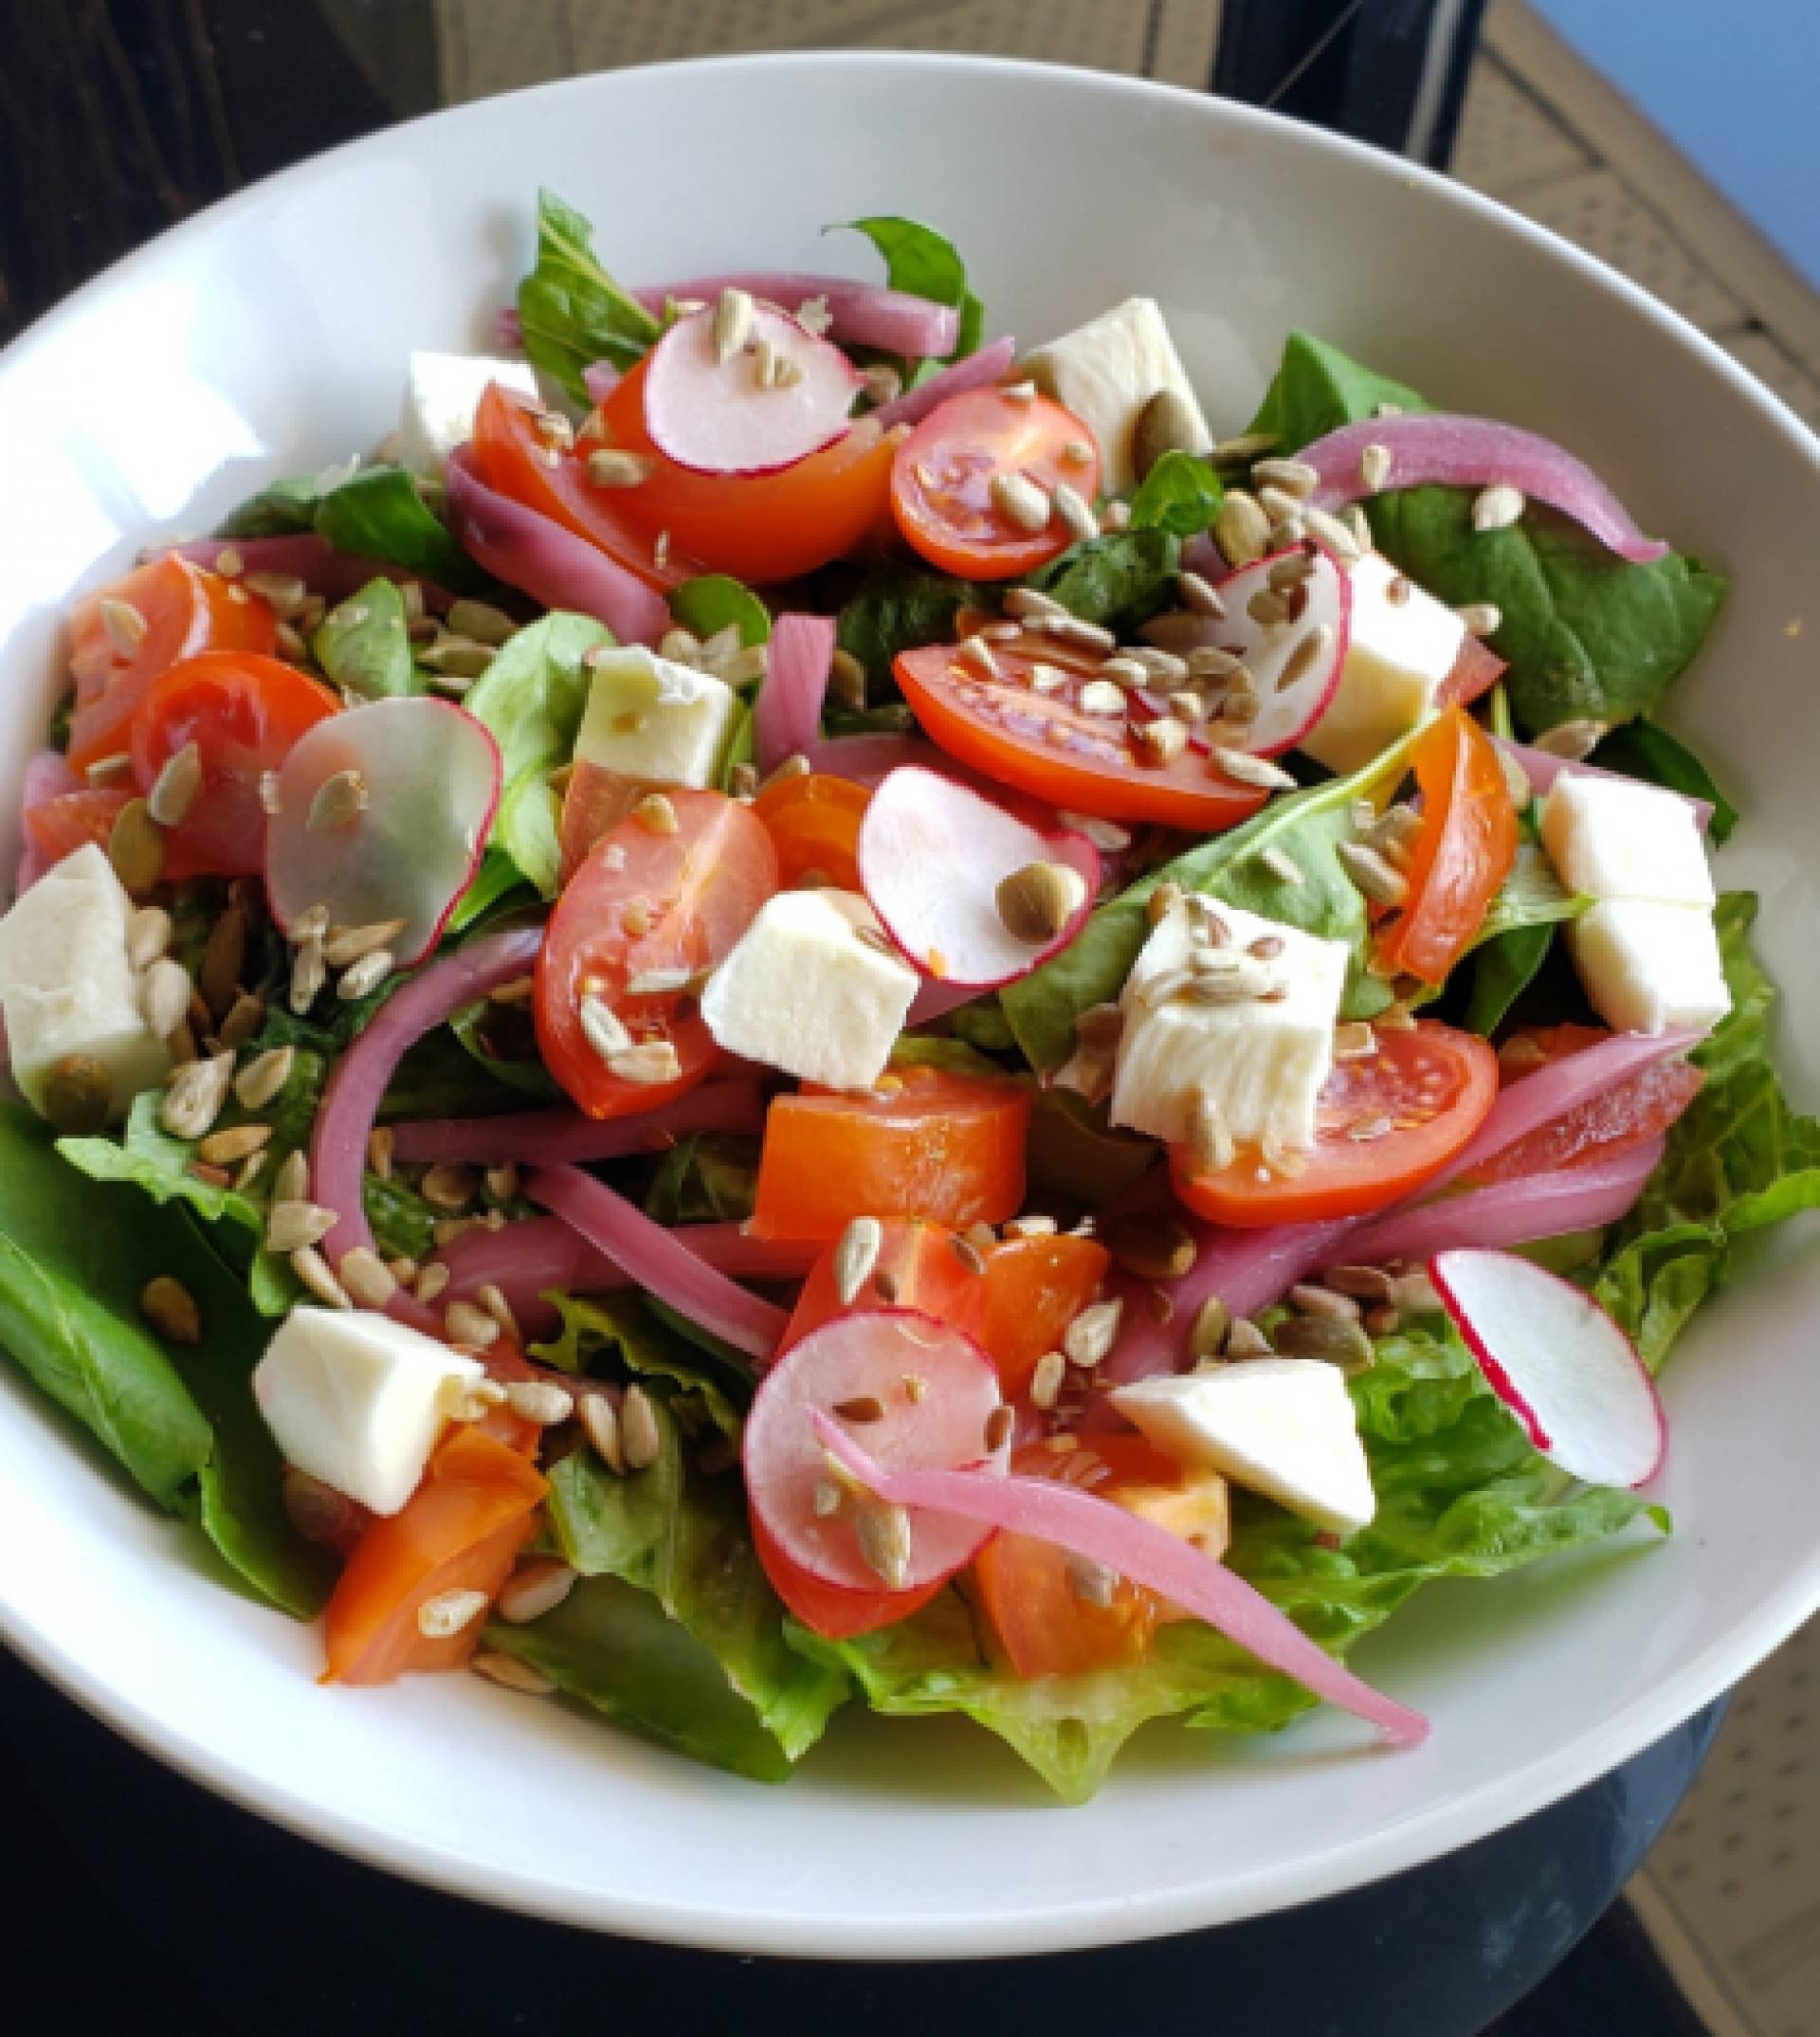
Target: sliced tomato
[(927, 1143), (58, 826), (1641, 1106), (833, 1611), (593, 804), (1043, 744), (919, 1268), (1476, 670), (762, 528), (640, 902), (185, 612), (1386, 1123), (942, 479), (1034, 1288), (245, 715), (815, 822), (460, 1531), (1465, 851), (1039, 1622), (516, 457)]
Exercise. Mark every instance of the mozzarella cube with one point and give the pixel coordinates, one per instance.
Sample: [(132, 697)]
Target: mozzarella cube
[(1645, 965), (1263, 1064), (1401, 645), (360, 1401), (441, 393), (654, 721), (1282, 1426), (1106, 370), (66, 986), (812, 987), (1613, 838)]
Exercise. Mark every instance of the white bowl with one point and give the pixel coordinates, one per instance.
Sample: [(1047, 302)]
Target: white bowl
[(269, 335)]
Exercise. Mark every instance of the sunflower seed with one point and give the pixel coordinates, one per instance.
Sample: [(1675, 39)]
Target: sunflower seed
[(1075, 511), (1497, 507), (291, 1224), (639, 1436), (847, 678), (1244, 1339), (314, 1272), (194, 1100), (1021, 501), (448, 1612), (613, 468), (135, 848), (1152, 1249), (1285, 512), (648, 1062), (1160, 742), (354, 944), (481, 621), (1375, 467), (1116, 516), (173, 791), (1212, 1321), (1573, 740), (1241, 529), (239, 1142), (1312, 649), (1353, 1041), (292, 1181), (381, 1144), (362, 978), (540, 1586), (541, 1401), (1414, 1293), (1311, 1297), (603, 1028), (1364, 1283), (1091, 1335), (168, 1306), (431, 1284), (367, 1278), (339, 801), (1020, 392), (855, 1256), (1235, 983), (1101, 696), (468, 1323), (1240, 451), (1208, 1140), (1374, 873), (882, 384), (1334, 1340), (1045, 1380), (1394, 832), (1077, 630), (126, 626), (449, 1186), (1295, 477), (883, 1531), (733, 320), (1250, 769), (1481, 618), (1028, 602)]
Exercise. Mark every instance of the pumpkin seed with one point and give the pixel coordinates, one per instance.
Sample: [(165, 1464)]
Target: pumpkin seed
[(168, 1306), (1036, 903), (135, 848), (1167, 424), (1333, 1340), (77, 1095)]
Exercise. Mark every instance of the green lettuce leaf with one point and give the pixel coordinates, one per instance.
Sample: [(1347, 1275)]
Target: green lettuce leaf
[(925, 264), (897, 609), (622, 1335), (1181, 494), (364, 645), (570, 311), (1120, 579), (712, 600), (709, 1177)]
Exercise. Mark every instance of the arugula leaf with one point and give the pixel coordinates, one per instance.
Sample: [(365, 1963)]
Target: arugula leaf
[(533, 697), (1642, 750), (925, 264), (570, 311), (364, 645), (1181, 494), (1308, 826), (1120, 579), (1739, 1160), (895, 610), (712, 600)]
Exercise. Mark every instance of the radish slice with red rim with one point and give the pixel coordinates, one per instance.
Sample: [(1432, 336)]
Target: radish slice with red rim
[(933, 856), (1296, 662), (920, 1391), (1561, 1364), (381, 814), (773, 400)]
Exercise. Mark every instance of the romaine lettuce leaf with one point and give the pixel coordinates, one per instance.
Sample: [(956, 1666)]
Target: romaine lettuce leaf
[(571, 312)]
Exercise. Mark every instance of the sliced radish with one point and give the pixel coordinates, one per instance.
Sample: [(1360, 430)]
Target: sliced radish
[(381, 814), (734, 415), (932, 855), (1559, 1363), (1295, 686), (921, 1392)]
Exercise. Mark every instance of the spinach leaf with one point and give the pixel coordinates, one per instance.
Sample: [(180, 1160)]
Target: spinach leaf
[(1181, 494), (710, 1177), (533, 697), (380, 512), (1642, 750), (1120, 579), (570, 311), (1307, 827), (364, 645), (712, 600), (895, 610), (283, 508), (1317, 389), (925, 264), (514, 1063), (1502, 968)]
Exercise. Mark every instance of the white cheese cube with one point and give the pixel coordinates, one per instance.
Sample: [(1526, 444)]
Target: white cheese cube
[(441, 393), (1282, 1426), (1614, 838), (1646, 966), (1106, 370), (1401, 645), (811, 987), (654, 721), (360, 1401), (1262, 1062), (66, 986)]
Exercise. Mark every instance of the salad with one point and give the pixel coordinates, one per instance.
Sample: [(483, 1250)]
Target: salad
[(798, 1007)]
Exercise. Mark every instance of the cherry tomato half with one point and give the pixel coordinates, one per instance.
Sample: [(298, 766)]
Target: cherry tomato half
[(814, 823)]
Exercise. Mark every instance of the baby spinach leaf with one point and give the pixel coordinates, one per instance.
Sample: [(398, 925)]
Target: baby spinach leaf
[(713, 600), (570, 311), (897, 609), (1502, 968), (283, 508), (380, 512), (1642, 750), (924, 263), (1317, 389), (1180, 494), (364, 645), (1120, 579)]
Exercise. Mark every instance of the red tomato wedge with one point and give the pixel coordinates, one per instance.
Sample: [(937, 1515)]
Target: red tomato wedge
[(1386, 1123), (942, 481), (1034, 1288), (593, 803), (517, 459), (642, 902), (762, 528), (244, 714), (1476, 670), (814, 823), (183, 611), (460, 1531), (946, 1147), (1040, 1621), (1043, 743), (1640, 1107), (1465, 851)]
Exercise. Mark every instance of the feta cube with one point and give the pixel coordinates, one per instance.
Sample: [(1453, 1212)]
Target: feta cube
[(66, 986), (360, 1401), (1401, 645), (441, 393), (654, 721), (1106, 370), (1613, 838), (812, 987), (1647, 965), (1282, 1426), (1263, 1064)]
